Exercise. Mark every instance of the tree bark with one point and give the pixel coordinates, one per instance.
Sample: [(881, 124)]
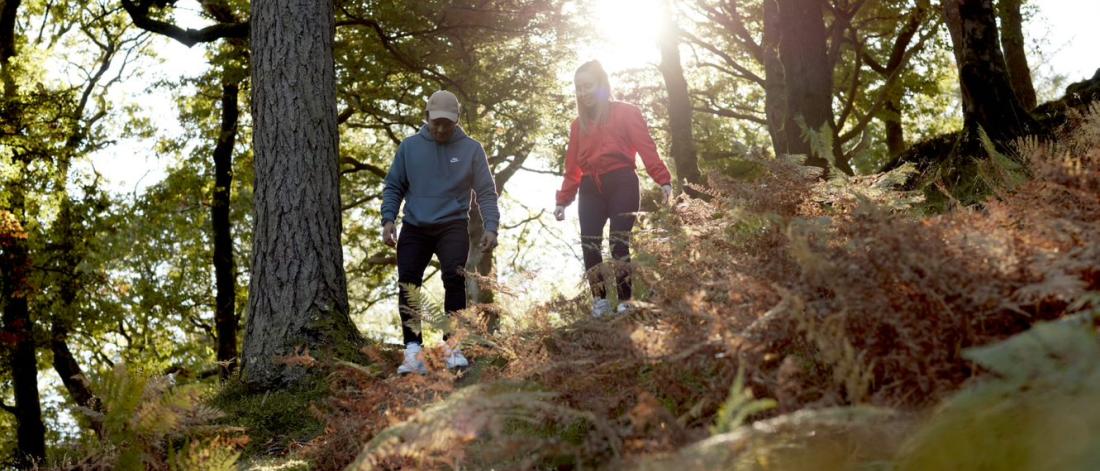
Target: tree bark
[(481, 264), (72, 376), (797, 66), (679, 105), (1012, 43), (298, 291), (225, 276), (18, 338), (8, 12), (477, 261), (895, 133), (64, 363), (17, 334), (987, 95)]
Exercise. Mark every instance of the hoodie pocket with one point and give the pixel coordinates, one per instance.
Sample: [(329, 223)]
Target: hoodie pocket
[(431, 209)]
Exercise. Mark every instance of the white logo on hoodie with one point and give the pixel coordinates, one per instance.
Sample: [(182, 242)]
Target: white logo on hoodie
[(454, 160)]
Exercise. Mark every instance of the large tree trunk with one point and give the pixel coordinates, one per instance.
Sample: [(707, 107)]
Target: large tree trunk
[(679, 105), (1012, 43), (298, 291), (225, 276), (797, 65), (987, 94)]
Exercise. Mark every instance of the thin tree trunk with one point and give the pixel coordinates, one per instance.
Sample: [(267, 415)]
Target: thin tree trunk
[(988, 98), (8, 12), (795, 30), (482, 264), (679, 105), (64, 363), (72, 376), (298, 293), (775, 87), (225, 276), (477, 261), (1012, 43), (17, 334), (895, 134)]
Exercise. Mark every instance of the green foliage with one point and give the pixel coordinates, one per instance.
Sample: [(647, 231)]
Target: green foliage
[(999, 172), (143, 416), (427, 312), (738, 407), (200, 456), (1037, 410)]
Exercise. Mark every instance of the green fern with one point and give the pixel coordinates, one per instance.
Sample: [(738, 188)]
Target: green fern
[(1038, 410), (740, 405), (203, 456), (427, 310), (999, 171), (143, 414)]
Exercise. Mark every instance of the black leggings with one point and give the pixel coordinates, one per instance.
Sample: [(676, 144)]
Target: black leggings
[(615, 196), (415, 246)]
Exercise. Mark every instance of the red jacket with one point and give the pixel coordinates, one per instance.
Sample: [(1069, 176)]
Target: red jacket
[(608, 147)]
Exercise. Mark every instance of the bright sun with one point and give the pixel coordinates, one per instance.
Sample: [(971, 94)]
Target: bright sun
[(627, 31)]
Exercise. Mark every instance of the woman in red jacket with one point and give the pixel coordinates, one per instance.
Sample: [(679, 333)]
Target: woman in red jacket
[(603, 141)]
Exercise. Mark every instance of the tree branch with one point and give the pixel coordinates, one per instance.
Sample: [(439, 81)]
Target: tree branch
[(542, 172), (358, 166), (139, 13), (746, 73), (525, 221)]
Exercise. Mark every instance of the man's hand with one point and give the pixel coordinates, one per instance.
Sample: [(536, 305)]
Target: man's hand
[(667, 190), (389, 234), (488, 241), (559, 213)]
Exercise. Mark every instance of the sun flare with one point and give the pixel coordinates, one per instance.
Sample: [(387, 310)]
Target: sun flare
[(627, 33)]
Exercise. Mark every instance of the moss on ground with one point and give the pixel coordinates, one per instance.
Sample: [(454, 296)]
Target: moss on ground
[(273, 420)]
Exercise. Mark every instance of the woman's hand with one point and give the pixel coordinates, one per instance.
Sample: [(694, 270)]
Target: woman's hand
[(559, 213), (667, 190)]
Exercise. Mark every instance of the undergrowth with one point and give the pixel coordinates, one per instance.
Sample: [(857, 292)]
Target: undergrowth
[(843, 304)]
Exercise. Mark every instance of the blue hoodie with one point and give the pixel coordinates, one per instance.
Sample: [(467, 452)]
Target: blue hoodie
[(435, 180)]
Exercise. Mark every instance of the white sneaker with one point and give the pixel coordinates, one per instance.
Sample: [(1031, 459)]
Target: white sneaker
[(455, 359), (624, 307), (600, 308), (412, 363)]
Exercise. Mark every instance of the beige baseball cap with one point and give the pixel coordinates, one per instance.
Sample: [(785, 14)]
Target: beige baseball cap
[(443, 104)]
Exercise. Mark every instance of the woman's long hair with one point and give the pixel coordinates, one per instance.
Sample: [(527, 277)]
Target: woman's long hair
[(603, 96)]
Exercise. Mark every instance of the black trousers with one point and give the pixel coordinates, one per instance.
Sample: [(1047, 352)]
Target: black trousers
[(612, 196), (415, 246)]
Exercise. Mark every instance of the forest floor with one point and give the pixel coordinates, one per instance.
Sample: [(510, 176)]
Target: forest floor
[(787, 323), (784, 322)]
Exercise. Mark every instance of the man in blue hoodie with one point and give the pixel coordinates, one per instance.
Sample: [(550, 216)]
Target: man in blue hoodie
[(434, 172)]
